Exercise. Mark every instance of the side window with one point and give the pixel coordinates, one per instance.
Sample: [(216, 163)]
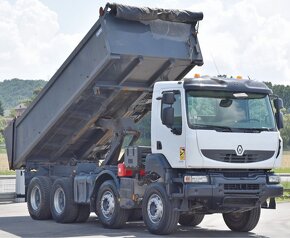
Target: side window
[(177, 111)]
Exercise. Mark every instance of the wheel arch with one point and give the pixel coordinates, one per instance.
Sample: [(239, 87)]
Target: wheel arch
[(101, 178), (157, 163)]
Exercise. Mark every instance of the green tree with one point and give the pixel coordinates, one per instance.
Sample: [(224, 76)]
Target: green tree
[(27, 101), (285, 132), (283, 92)]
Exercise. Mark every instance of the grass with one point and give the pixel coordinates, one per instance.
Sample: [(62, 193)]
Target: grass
[(7, 172), (286, 195), (285, 166), (286, 185), (282, 170)]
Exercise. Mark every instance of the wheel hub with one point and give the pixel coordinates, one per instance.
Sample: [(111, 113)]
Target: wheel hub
[(108, 204), (59, 200), (35, 198), (155, 208)]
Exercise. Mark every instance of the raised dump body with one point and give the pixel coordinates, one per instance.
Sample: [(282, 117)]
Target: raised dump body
[(108, 76)]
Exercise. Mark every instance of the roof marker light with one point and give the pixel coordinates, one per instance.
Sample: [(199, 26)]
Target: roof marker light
[(196, 75)]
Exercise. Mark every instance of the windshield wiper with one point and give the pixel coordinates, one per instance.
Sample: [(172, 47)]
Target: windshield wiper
[(231, 129), (212, 127), (256, 129)]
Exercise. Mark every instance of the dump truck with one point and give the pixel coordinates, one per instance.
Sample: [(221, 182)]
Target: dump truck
[(214, 140)]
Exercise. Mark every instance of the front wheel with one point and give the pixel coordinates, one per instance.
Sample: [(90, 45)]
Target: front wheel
[(242, 221), (158, 211), (108, 207)]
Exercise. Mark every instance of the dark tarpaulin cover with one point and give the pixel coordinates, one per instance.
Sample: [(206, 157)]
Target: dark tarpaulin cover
[(147, 14)]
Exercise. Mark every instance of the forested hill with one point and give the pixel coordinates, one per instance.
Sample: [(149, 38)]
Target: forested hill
[(13, 91)]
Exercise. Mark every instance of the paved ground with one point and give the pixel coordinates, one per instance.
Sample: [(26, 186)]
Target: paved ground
[(15, 222)]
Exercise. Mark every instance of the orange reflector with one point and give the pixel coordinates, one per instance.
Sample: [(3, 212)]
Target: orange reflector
[(197, 75)]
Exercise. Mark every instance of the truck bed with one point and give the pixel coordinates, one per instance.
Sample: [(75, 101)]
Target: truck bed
[(109, 75)]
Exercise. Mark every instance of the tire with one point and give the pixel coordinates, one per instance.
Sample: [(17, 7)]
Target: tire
[(242, 221), (158, 211), (38, 198), (110, 214), (190, 219), (84, 213), (62, 205)]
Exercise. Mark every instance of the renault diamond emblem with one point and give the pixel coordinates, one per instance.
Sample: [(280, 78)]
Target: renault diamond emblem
[(239, 150)]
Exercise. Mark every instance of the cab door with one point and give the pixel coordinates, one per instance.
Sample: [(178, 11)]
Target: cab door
[(169, 141)]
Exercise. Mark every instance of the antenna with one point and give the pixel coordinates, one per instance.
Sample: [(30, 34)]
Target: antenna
[(218, 73)]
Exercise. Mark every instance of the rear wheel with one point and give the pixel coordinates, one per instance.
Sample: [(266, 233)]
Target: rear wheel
[(38, 198), (158, 211), (190, 219), (63, 208), (108, 207), (242, 221)]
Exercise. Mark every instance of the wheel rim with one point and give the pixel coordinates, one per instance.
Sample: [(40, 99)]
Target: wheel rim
[(155, 208), (108, 204), (35, 198), (59, 200)]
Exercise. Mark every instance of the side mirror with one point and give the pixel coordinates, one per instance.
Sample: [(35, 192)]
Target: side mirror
[(278, 103), (168, 116), (168, 98), (279, 119)]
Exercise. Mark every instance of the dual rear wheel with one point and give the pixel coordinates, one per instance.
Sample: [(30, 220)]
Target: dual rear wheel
[(46, 200)]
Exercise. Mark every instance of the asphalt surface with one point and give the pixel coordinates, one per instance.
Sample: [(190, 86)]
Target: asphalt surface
[(15, 222)]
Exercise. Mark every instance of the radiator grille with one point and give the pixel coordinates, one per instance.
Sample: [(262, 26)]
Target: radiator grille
[(241, 187), (230, 156)]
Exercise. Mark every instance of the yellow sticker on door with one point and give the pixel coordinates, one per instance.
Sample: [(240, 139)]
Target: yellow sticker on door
[(182, 153)]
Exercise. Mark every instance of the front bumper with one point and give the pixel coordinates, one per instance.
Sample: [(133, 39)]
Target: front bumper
[(224, 193)]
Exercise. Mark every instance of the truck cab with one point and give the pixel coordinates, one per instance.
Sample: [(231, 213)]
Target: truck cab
[(215, 123), (214, 142)]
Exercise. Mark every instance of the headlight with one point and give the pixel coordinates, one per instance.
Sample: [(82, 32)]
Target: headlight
[(196, 179), (274, 179)]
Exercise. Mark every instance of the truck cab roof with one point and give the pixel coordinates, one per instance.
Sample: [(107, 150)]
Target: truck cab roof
[(208, 83), (226, 84)]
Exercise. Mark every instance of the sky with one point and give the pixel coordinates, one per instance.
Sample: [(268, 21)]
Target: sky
[(250, 38)]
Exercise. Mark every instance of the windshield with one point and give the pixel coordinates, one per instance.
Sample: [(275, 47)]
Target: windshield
[(228, 111)]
